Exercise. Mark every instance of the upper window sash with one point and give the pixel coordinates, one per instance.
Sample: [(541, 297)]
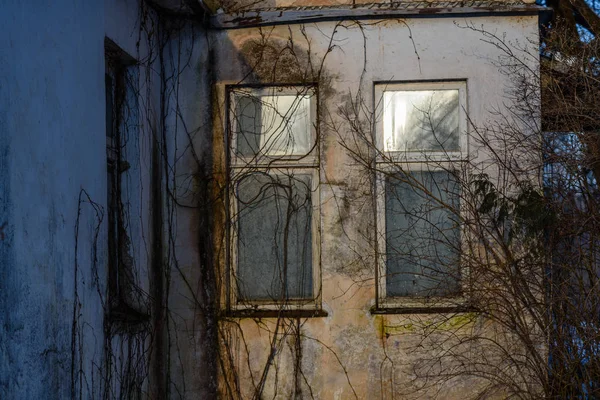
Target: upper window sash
[(273, 125), (422, 121)]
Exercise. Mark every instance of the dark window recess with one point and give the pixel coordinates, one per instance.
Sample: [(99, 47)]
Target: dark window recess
[(422, 235), (274, 237), (125, 298)]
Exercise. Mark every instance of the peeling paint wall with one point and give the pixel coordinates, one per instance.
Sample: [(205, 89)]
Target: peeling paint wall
[(352, 353)]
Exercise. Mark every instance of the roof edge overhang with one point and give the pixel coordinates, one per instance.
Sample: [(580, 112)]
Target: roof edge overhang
[(412, 9), (193, 9)]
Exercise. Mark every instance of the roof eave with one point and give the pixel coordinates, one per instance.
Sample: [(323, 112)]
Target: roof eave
[(302, 15)]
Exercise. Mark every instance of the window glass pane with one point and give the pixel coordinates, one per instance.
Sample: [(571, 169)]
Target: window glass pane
[(422, 234), (424, 120), (273, 125), (274, 237), (247, 120)]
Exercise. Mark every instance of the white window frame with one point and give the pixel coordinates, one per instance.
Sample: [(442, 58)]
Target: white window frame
[(310, 159), (407, 161), (420, 156), (274, 165)]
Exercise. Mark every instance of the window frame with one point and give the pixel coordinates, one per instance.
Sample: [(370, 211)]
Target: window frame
[(309, 159), (422, 155), (238, 167), (126, 302), (386, 162), (115, 76), (410, 302)]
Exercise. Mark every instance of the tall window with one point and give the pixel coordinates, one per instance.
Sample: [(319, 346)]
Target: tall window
[(123, 185), (421, 140), (274, 172)]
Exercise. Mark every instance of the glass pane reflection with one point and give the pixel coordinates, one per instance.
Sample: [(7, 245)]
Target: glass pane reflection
[(273, 125), (424, 120)]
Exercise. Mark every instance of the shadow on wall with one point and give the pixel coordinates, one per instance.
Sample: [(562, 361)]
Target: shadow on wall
[(7, 289)]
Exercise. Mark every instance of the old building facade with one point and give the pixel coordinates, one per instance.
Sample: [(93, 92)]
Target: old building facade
[(251, 199)]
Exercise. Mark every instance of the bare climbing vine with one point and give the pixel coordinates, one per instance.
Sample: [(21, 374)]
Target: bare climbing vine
[(196, 306)]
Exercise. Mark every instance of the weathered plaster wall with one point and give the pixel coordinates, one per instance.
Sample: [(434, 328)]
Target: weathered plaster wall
[(188, 209), (53, 147), (52, 100), (352, 353)]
